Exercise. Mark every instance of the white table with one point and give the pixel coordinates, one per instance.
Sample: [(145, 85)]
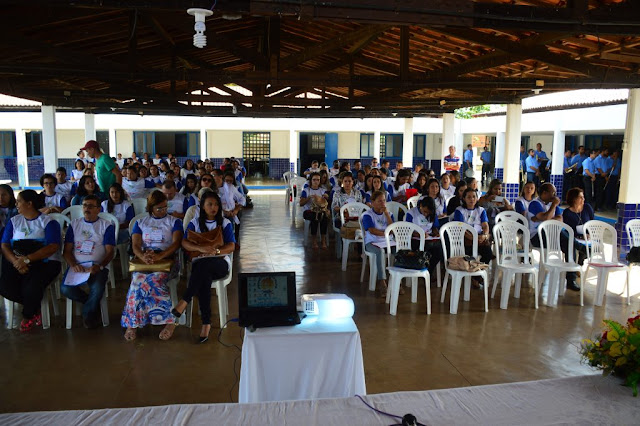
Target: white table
[(315, 359)]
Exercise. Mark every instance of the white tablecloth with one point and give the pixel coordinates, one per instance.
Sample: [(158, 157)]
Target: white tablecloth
[(315, 359), (575, 400)]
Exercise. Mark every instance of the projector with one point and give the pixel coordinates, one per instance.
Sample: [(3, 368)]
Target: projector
[(328, 305)]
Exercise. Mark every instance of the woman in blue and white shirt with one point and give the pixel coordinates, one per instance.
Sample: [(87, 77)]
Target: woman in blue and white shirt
[(472, 214), (376, 185), (121, 208), (31, 258), (7, 205), (134, 186), (374, 222), (344, 195), (53, 202), (214, 263), (424, 215), (78, 171), (433, 191), (315, 193)]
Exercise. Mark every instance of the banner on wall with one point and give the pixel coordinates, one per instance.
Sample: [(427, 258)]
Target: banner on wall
[(479, 141)]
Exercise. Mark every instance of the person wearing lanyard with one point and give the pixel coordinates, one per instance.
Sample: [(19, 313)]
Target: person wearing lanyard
[(470, 213), (347, 194), (603, 167), (612, 185), (589, 177), (576, 216), (313, 195), (485, 156), (533, 168), (88, 249), (424, 215), (374, 223)]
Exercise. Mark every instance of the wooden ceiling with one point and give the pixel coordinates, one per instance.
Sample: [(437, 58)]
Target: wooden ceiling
[(306, 58)]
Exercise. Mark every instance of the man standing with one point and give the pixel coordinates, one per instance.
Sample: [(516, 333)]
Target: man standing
[(106, 170), (614, 177), (589, 177), (532, 168), (577, 161), (567, 173), (357, 166), (603, 167), (467, 160), (88, 249), (543, 162), (523, 166), (452, 161), (485, 156)]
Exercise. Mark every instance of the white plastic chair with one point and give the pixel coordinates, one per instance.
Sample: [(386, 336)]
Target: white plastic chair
[(297, 187), (287, 180), (73, 212), (221, 291), (511, 261), (633, 234), (552, 262), (454, 233), (413, 201), (63, 221), (116, 224), (104, 310), (511, 215), (355, 210), (44, 311), (139, 205), (336, 232), (402, 233), (596, 231), (394, 208), (373, 266)]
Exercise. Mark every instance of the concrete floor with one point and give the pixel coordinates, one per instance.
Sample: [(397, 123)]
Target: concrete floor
[(60, 369)]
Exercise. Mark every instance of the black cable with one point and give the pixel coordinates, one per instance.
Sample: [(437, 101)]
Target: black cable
[(220, 336), (237, 380), (235, 361), (389, 414)]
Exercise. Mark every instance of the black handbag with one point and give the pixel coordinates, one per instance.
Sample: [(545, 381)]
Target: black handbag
[(412, 259), (26, 247), (634, 255)]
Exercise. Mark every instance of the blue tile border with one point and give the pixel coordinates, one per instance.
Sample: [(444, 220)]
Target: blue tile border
[(626, 212), (511, 191), (498, 173)]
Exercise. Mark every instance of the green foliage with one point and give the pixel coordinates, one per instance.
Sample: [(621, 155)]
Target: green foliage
[(469, 112)]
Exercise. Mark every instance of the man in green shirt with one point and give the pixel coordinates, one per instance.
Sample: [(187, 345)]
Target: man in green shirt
[(106, 169)]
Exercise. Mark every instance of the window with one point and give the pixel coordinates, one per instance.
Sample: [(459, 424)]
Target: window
[(390, 146), (419, 144), (187, 144), (7, 144), (144, 142), (366, 145), (34, 144), (256, 146), (317, 141), (102, 137)]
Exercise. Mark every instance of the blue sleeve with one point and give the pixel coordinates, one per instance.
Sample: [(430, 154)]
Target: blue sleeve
[(558, 211), (63, 203), (388, 197), (304, 194), (185, 205), (178, 186), (74, 189), (367, 222), (136, 229), (69, 237), (535, 208), (129, 214), (228, 235), (367, 198), (390, 190), (52, 233), (7, 235), (149, 184), (483, 217), (109, 236), (457, 216), (77, 200), (436, 223), (177, 226), (192, 201), (408, 217), (519, 207), (101, 208), (190, 227)]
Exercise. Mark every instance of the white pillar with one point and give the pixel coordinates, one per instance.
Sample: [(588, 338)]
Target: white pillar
[(21, 156), (448, 137), (113, 146), (513, 135), (499, 155), (89, 127), (293, 151), (376, 145), (630, 173), (203, 144), (557, 161), (407, 144), (49, 150)]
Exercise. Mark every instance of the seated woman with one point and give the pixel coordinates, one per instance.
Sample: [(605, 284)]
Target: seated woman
[(376, 185), (473, 184), (324, 181), (374, 222), (206, 181), (30, 257), (190, 186), (421, 183), (366, 186), (493, 202), (433, 191), (188, 169), (313, 195), (344, 195), (7, 205), (447, 189), (121, 208), (232, 200), (401, 185), (212, 265), (155, 238), (77, 173), (527, 195), (86, 186), (424, 215), (135, 184), (576, 215), (472, 214), (53, 202), (456, 201)]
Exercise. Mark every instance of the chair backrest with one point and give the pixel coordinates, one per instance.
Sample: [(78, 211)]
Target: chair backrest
[(298, 182), (73, 212), (506, 235), (403, 233), (413, 201), (111, 218), (62, 221), (189, 215), (354, 209), (394, 208), (511, 215), (633, 232), (134, 220), (287, 176), (549, 233), (139, 205), (452, 237), (596, 232)]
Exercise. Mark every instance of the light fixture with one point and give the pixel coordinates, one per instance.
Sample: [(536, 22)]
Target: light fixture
[(442, 102), (199, 39), (234, 109)]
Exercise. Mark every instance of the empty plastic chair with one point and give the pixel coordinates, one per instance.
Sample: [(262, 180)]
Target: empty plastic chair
[(354, 210), (139, 205)]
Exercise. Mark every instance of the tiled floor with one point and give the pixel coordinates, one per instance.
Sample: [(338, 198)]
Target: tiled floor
[(73, 369)]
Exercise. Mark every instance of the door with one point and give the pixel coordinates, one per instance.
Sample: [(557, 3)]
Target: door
[(330, 148)]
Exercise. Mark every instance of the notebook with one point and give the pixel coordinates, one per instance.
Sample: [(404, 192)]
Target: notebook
[(267, 299)]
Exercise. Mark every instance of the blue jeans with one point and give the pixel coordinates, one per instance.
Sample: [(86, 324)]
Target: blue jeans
[(380, 258), (91, 301)]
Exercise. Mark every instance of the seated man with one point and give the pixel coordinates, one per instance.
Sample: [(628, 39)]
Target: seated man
[(88, 248), (176, 202), (545, 207)]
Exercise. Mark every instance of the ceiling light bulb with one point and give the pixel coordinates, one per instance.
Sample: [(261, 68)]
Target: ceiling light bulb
[(199, 39)]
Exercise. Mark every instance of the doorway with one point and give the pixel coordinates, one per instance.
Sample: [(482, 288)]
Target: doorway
[(311, 149)]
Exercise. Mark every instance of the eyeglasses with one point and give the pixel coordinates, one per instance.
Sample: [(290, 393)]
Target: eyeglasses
[(205, 180), (160, 209), (89, 206), (49, 183)]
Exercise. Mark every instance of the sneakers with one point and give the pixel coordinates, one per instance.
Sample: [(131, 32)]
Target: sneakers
[(573, 286), (28, 324)]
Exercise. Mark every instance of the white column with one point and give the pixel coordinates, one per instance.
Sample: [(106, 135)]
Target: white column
[(407, 143), (376, 145), (203, 144), (557, 161), (499, 156), (89, 127), (630, 173), (21, 157), (293, 151), (49, 150), (512, 146), (113, 146), (448, 137)]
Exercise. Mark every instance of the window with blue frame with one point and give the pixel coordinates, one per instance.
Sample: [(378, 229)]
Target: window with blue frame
[(34, 144), (366, 145), (391, 146), (419, 146), (144, 142), (7, 144), (102, 137)]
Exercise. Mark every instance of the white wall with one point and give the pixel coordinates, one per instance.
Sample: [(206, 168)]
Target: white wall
[(69, 142), (124, 140), (224, 143), (545, 140), (280, 144), (349, 145)]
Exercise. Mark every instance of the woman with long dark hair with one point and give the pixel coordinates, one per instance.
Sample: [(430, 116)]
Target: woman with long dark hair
[(117, 205), (86, 186), (213, 262), (53, 202), (7, 204)]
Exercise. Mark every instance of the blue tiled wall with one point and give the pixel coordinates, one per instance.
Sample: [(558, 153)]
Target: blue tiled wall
[(498, 173), (556, 180), (511, 191), (626, 212), (9, 170), (277, 166)]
